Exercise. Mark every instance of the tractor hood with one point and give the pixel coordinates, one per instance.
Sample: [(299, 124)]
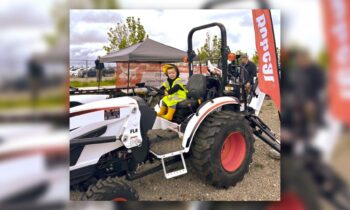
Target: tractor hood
[(97, 112)]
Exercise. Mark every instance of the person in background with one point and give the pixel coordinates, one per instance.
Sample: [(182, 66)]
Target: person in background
[(252, 70), (36, 76), (99, 66), (310, 83)]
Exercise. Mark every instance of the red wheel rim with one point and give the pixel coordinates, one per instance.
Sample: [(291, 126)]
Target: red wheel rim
[(233, 151), (119, 199), (289, 201)]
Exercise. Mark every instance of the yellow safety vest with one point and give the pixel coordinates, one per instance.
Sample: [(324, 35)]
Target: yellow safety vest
[(178, 96)]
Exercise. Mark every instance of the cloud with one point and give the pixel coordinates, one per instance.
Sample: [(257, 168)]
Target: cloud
[(86, 51), (229, 14), (246, 20), (233, 38), (91, 35), (19, 15), (276, 17), (95, 16), (171, 27), (91, 26)]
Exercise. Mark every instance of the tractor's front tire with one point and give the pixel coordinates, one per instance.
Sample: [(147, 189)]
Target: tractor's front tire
[(222, 149), (110, 189)]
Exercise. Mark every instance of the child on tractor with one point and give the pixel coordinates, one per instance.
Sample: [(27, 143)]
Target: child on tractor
[(174, 92)]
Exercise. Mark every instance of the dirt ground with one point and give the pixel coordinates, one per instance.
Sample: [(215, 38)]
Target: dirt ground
[(261, 183)]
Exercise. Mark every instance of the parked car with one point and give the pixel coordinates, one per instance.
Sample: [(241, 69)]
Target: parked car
[(109, 71), (90, 72), (73, 71)]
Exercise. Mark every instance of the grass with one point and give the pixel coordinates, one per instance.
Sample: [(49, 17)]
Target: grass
[(44, 102), (92, 83)]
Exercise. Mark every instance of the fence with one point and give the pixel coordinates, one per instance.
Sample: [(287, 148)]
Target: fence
[(83, 73), (87, 63)]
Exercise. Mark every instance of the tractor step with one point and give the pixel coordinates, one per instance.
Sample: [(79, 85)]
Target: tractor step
[(176, 173), (165, 143)]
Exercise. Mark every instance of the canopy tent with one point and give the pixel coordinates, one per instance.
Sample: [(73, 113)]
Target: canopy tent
[(146, 51)]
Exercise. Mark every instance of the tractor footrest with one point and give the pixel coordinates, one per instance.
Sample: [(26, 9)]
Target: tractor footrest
[(165, 143)]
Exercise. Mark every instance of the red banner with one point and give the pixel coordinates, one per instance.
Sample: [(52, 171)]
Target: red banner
[(265, 44), (337, 30)]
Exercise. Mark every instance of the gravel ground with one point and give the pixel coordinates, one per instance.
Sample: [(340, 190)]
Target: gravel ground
[(261, 183)]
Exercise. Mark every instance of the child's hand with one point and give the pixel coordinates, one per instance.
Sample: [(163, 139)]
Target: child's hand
[(166, 93)]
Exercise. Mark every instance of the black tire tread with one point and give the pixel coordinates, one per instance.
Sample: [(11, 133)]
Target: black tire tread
[(105, 187), (202, 144)]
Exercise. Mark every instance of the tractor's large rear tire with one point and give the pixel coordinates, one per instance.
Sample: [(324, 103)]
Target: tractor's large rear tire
[(222, 149), (110, 189)]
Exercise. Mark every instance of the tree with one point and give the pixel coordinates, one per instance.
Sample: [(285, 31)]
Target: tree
[(323, 58), (278, 52), (125, 34), (210, 50), (255, 58), (60, 14)]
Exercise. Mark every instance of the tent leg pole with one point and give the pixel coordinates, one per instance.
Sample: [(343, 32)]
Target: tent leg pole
[(127, 90)]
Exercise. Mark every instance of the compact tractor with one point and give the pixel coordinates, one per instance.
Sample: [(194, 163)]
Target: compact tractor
[(213, 129)]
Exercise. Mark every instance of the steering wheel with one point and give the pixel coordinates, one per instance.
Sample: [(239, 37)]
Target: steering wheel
[(152, 92)]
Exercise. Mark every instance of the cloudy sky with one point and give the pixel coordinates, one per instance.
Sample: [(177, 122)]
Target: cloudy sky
[(24, 23), (88, 28)]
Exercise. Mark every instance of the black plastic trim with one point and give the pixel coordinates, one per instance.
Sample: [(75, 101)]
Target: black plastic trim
[(93, 140), (82, 174)]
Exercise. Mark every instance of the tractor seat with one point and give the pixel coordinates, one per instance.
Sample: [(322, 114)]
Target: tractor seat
[(188, 103), (196, 86)]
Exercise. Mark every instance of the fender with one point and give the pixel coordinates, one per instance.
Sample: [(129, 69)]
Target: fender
[(205, 109)]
